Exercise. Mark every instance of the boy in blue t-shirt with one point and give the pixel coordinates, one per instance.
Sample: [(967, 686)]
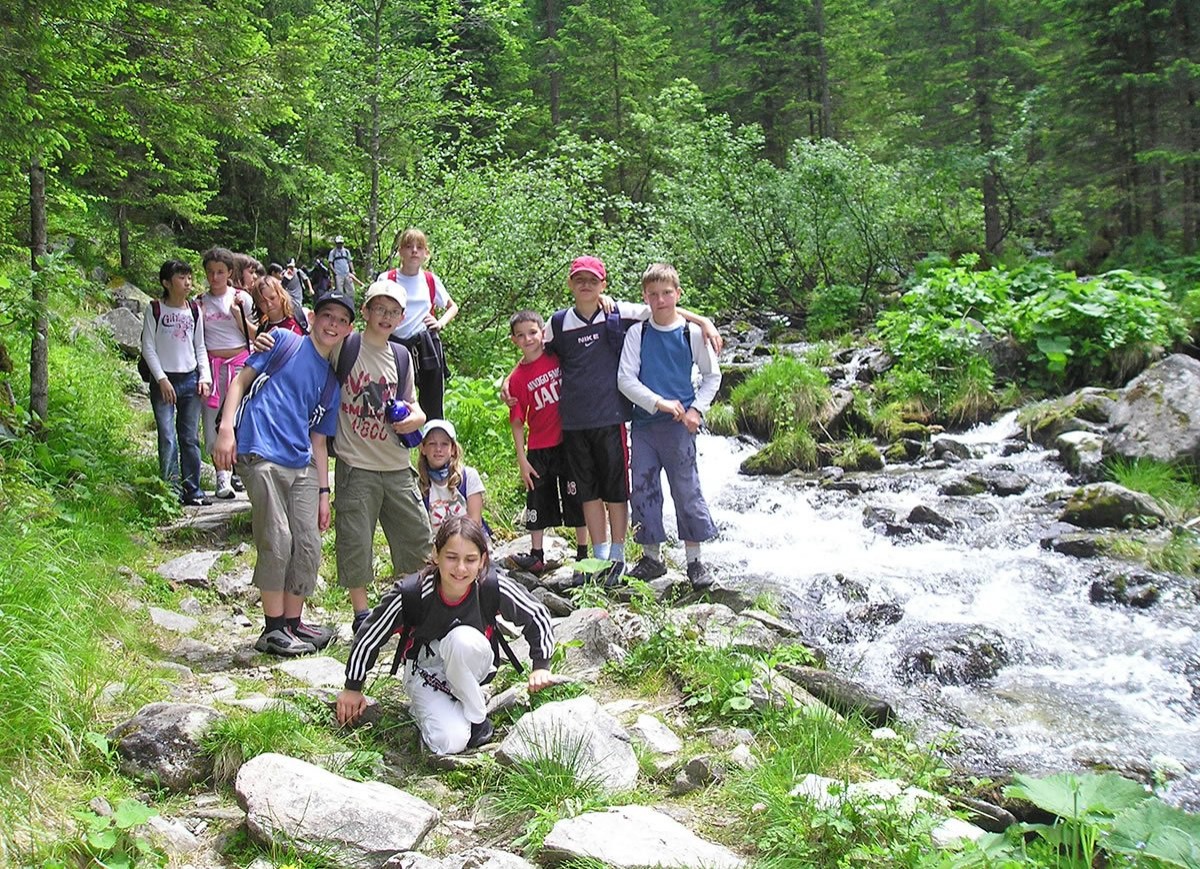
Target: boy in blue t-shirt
[(279, 447), (656, 375)]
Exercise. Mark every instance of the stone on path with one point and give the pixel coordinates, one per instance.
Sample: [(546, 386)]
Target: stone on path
[(294, 804), (580, 735), (192, 569), (319, 671), (473, 858), (160, 745), (172, 621), (655, 735), (631, 837)]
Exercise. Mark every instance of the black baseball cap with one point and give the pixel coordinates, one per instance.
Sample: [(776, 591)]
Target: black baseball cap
[(346, 300)]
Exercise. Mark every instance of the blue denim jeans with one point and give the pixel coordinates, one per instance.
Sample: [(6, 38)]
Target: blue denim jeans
[(178, 434)]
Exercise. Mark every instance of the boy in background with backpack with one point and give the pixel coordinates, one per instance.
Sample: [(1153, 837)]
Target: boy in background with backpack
[(174, 364), (656, 375), (374, 477), (420, 330), (277, 438)]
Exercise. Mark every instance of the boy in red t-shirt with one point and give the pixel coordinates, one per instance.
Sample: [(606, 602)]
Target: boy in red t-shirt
[(550, 498)]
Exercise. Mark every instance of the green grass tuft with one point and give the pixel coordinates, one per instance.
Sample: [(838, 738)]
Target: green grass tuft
[(239, 738), (785, 395)]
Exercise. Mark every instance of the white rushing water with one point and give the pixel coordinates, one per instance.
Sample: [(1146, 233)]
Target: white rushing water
[(1085, 683)]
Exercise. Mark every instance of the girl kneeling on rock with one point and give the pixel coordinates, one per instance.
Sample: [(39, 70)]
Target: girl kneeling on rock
[(446, 647)]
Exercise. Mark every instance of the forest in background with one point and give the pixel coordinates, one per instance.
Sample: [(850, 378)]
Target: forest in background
[(769, 148)]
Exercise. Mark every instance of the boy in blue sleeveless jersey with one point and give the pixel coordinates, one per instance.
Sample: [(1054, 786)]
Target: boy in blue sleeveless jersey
[(656, 375), (280, 450)]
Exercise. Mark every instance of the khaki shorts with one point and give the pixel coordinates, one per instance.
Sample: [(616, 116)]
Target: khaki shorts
[(283, 507)]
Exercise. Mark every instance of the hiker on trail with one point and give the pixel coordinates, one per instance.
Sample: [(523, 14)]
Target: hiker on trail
[(444, 613), (374, 476), (228, 331), (342, 264), (277, 439), (421, 330), (449, 486), (319, 278), (246, 273), (549, 488), (656, 375), (295, 281), (177, 370)]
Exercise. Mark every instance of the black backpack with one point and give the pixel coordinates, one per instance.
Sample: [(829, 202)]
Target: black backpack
[(412, 610)]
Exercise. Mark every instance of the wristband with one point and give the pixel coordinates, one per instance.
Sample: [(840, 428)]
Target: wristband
[(323, 490)]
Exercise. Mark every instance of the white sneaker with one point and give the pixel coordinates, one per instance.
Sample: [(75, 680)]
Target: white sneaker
[(224, 485)]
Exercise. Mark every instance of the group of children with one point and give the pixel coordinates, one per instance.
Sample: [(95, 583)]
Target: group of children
[(278, 387)]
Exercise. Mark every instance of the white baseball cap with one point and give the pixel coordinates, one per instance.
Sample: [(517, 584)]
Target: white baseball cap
[(444, 424)]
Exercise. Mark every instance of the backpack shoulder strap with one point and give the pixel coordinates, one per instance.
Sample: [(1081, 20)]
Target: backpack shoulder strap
[(556, 322), (283, 358), (348, 355), (156, 310), (195, 311), (403, 361), (432, 284), (489, 607), (411, 612)]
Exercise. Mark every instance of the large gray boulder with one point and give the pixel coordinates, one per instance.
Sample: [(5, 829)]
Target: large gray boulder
[(160, 744), (1082, 453), (581, 736), (294, 804), (1107, 505), (632, 837), (126, 295), (1158, 413), (718, 626), (126, 329)]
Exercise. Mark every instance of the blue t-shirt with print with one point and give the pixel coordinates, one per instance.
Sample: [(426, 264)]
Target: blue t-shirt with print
[(275, 422)]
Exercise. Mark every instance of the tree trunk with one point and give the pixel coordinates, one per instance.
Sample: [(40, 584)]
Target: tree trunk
[(123, 239), (555, 74), (374, 142), (993, 229), (39, 349), (825, 126)]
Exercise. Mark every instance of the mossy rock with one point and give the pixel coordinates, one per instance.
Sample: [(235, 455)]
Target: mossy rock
[(1107, 505), (859, 456), (788, 452), (1082, 410)]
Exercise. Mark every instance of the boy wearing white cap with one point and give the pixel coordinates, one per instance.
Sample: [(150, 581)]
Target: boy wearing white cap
[(373, 476)]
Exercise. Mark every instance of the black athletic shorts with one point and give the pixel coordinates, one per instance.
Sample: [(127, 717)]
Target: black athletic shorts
[(552, 501), (599, 462)]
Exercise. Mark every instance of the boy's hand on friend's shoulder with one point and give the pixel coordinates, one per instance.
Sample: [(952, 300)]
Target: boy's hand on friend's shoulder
[(607, 304), (505, 394), (709, 330)]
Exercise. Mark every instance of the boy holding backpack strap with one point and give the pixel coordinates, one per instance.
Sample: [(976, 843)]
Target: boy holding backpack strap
[(279, 447)]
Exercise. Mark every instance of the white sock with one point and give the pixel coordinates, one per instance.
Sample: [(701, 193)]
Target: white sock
[(600, 550), (616, 552), (654, 550), (692, 551)]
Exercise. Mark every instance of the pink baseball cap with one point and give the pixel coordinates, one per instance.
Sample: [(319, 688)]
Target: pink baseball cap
[(588, 264)]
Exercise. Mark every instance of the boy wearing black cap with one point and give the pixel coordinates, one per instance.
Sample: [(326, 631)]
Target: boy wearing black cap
[(276, 438)]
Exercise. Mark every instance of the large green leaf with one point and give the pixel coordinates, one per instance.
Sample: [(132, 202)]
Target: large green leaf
[(1154, 829), (1073, 796), (131, 813)]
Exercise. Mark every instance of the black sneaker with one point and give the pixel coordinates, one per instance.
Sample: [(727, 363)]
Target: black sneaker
[(699, 575), (481, 733), (282, 643), (615, 575), (237, 484), (647, 569), (578, 579), (527, 562), (318, 635), (200, 500)]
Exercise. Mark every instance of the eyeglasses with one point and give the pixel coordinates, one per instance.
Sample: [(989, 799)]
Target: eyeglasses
[(391, 313)]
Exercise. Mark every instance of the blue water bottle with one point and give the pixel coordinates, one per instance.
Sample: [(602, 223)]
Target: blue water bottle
[(395, 410)]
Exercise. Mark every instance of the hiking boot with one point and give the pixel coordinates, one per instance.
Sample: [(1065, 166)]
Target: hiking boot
[(481, 733), (200, 500), (699, 575), (615, 575), (235, 483), (527, 562), (318, 635), (282, 643), (647, 569)]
